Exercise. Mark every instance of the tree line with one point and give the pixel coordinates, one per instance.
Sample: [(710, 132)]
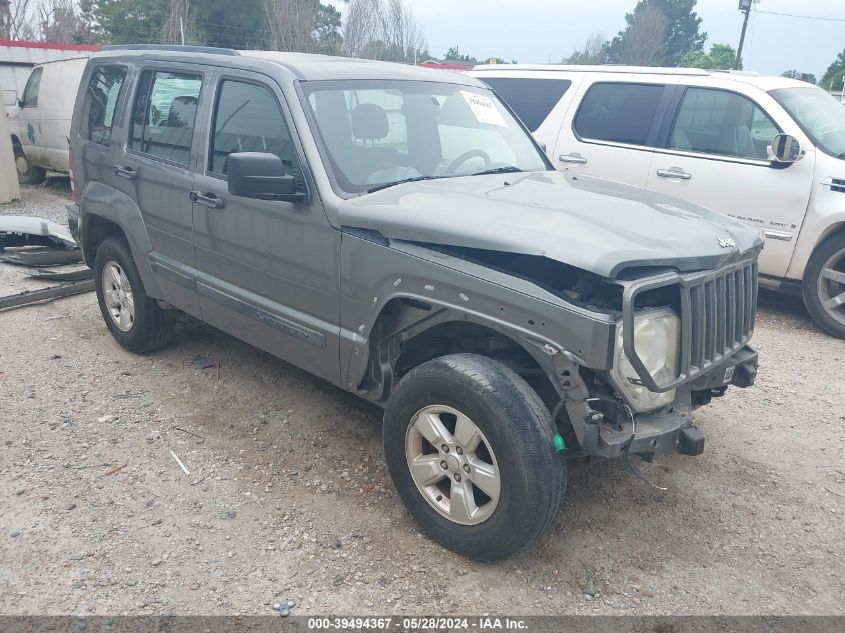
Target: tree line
[(656, 33), (375, 29), (668, 33)]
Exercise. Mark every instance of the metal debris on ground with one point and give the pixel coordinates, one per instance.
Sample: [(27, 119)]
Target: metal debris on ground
[(35, 257), (74, 275), (23, 230), (46, 294)]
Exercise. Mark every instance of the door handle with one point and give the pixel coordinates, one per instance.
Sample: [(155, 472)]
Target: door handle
[(207, 200), (674, 172), (573, 158), (125, 172)]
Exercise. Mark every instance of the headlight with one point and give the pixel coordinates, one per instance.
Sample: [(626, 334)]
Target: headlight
[(657, 337)]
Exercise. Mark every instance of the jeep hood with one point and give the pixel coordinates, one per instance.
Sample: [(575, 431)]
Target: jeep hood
[(593, 224)]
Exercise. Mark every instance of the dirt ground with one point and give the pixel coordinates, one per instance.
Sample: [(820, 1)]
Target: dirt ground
[(288, 496)]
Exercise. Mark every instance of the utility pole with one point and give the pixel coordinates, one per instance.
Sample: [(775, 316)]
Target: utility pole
[(744, 7)]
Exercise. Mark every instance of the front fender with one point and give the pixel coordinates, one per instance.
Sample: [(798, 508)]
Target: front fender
[(374, 274)]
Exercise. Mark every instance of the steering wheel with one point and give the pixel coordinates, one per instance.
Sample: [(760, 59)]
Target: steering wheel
[(460, 160)]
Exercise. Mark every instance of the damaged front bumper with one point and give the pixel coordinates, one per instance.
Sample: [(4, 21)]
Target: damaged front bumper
[(609, 428)]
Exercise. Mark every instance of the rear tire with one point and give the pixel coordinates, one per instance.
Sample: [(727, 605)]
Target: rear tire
[(824, 285), (495, 427), (135, 320), (28, 174)]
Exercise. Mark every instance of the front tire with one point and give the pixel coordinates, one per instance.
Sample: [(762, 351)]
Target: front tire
[(135, 320), (824, 285), (28, 174), (469, 446)]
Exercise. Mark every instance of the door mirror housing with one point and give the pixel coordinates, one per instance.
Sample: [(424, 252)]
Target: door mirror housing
[(261, 175), (785, 149), (10, 97)]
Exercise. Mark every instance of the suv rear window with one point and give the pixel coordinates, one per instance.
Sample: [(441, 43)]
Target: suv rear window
[(101, 102), (621, 113), (164, 115), (532, 99)]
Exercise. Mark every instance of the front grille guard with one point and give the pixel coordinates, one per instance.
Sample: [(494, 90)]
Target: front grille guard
[(717, 319)]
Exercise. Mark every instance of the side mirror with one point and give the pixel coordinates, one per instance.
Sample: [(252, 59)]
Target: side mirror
[(10, 97), (260, 175), (785, 149), (540, 143)]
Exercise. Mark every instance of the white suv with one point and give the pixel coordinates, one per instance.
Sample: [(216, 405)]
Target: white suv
[(707, 137)]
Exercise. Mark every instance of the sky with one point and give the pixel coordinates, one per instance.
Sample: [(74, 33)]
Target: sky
[(536, 31)]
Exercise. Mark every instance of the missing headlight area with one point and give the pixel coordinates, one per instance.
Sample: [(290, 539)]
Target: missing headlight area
[(567, 282)]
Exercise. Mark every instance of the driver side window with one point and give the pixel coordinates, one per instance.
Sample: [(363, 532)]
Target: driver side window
[(33, 87), (247, 118), (725, 123)]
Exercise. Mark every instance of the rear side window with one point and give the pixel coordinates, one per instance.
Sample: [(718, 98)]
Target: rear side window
[(621, 113), (164, 115), (531, 99), (33, 87), (248, 118), (101, 101)]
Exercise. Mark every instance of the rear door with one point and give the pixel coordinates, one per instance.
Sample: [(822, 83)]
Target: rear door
[(613, 131), (715, 155), (156, 168), (267, 271)]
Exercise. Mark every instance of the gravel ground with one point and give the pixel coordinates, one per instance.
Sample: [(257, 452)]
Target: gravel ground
[(288, 496)]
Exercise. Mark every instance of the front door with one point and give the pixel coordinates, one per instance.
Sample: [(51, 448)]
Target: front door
[(717, 157), (267, 271), (156, 168)]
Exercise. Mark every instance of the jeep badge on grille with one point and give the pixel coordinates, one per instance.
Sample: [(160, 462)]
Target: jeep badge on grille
[(726, 242)]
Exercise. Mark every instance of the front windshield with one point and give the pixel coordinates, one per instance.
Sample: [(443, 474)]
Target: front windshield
[(377, 133), (820, 116)]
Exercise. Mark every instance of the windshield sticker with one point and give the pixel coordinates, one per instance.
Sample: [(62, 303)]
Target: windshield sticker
[(484, 109)]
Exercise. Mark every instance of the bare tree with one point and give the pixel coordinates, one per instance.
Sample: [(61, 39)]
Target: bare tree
[(382, 29), (595, 51), (58, 21), (290, 24), (20, 20), (645, 38), (181, 25)]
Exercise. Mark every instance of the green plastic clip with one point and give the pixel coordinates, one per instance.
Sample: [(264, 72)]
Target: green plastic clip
[(560, 444)]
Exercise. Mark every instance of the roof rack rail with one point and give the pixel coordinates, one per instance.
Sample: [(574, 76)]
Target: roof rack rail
[(173, 48)]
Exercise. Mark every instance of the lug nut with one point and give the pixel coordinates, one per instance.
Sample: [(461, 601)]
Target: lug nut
[(459, 450), (445, 448), (466, 468), (444, 465), (457, 477)]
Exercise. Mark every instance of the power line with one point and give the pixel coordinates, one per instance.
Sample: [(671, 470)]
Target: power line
[(806, 17)]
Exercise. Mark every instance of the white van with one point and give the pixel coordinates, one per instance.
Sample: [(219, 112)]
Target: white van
[(707, 137), (40, 122)]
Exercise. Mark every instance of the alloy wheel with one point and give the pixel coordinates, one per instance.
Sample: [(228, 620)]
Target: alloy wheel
[(117, 294), (831, 286), (453, 465)]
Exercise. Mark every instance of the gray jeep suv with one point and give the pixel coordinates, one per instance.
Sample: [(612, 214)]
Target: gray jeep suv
[(397, 232)]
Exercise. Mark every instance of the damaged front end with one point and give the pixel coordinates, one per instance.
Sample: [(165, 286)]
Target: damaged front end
[(680, 340)]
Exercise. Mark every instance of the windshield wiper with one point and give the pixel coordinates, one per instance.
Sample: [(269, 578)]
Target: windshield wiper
[(399, 182), (842, 155), (510, 169)]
